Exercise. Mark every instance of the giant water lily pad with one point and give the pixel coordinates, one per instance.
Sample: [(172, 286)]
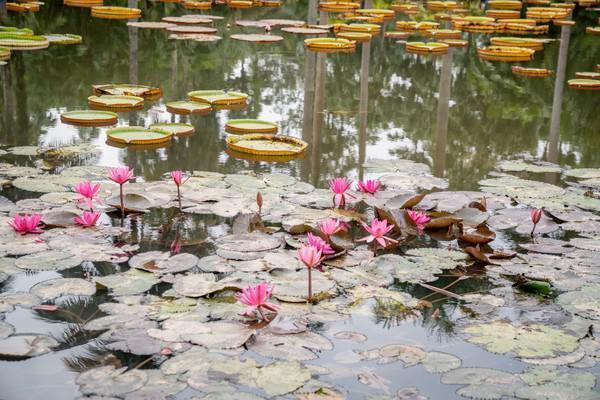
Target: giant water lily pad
[(109, 381), (218, 97), (257, 38), (300, 346), (269, 145), (526, 341), (54, 288), (48, 261), (128, 283), (89, 117), (188, 107), (26, 345), (116, 101), (138, 135)]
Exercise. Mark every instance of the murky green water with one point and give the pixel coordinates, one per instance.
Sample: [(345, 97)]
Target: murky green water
[(456, 113)]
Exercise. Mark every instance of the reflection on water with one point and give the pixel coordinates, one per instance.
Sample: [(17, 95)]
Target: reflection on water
[(378, 102)]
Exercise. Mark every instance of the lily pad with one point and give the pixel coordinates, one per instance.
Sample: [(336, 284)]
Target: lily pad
[(526, 341), (128, 283), (301, 346), (109, 381), (54, 288), (584, 302), (26, 345), (49, 261)]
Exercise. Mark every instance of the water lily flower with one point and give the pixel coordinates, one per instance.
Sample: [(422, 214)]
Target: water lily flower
[(420, 219), (311, 257), (24, 224), (175, 246), (369, 186), (536, 216), (320, 244), (377, 232), (256, 298), (331, 226), (178, 179), (339, 186), (121, 175), (88, 192), (87, 219)]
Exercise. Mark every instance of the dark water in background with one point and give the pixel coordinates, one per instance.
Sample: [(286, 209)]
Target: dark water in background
[(379, 102), (456, 113)]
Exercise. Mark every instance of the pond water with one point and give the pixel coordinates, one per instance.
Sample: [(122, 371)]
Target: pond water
[(456, 115)]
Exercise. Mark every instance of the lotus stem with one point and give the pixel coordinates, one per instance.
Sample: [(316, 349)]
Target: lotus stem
[(262, 316), (179, 197), (533, 230), (122, 203), (309, 285)]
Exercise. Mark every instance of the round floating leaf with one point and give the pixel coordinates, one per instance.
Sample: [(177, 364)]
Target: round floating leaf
[(180, 129), (26, 345), (6, 329), (157, 386), (108, 381), (128, 283), (352, 336), (522, 166), (221, 335), (436, 362), (526, 341), (89, 117), (54, 288), (301, 346), (138, 135), (584, 302), (188, 107), (262, 144), (8, 301), (257, 38), (49, 261), (116, 101), (242, 126), (175, 330)]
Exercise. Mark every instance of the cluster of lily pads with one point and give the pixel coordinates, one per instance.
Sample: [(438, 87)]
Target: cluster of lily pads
[(243, 320)]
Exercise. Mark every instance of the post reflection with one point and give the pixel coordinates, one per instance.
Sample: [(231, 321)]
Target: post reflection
[(363, 106), (553, 150), (441, 124)]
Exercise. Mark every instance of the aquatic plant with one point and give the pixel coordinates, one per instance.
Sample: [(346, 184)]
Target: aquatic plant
[(339, 186), (259, 202), (177, 176), (24, 224), (331, 226), (320, 244), (87, 219), (369, 186), (377, 232), (420, 219), (88, 193), (121, 175), (536, 215), (311, 257), (256, 298)]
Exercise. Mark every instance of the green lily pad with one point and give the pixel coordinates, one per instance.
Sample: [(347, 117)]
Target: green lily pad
[(241, 126), (300, 346), (54, 288), (26, 345), (217, 97), (188, 107), (178, 129), (138, 135), (63, 38), (49, 261), (116, 101), (584, 302), (522, 166), (109, 381), (533, 341), (128, 283), (89, 117)]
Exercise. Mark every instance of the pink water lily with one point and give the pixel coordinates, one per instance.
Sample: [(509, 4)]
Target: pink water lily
[(24, 224), (319, 243), (88, 192), (178, 179), (536, 216), (339, 186), (331, 226), (311, 257), (121, 175), (175, 246), (256, 298), (420, 219), (377, 232), (87, 219), (369, 186)]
